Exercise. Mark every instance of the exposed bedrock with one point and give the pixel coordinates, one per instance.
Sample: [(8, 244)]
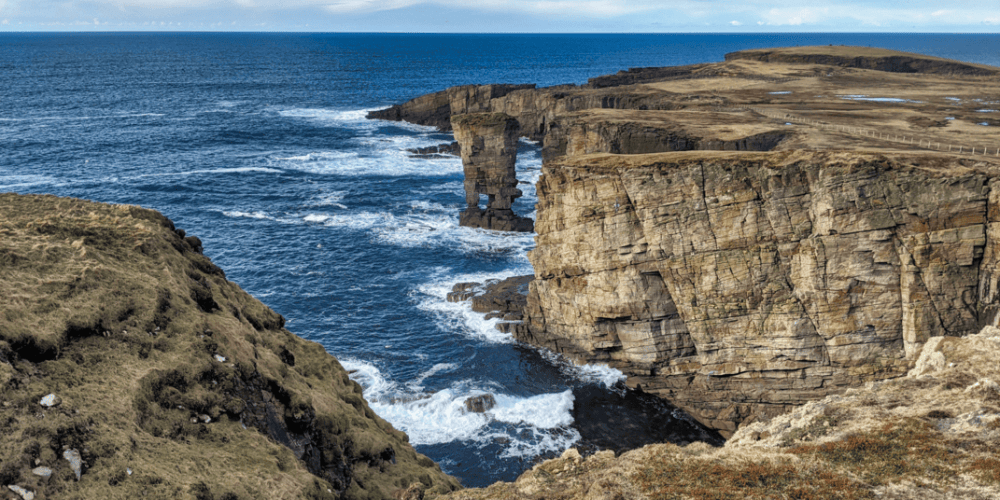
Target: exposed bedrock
[(436, 109), (859, 57), (741, 285), (641, 132), (489, 150), (533, 108)]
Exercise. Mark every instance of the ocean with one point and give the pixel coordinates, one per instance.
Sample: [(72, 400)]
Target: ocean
[(258, 144)]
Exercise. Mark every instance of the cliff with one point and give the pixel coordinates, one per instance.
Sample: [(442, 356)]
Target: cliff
[(930, 434), (865, 58), (130, 367), (744, 237), (741, 285)]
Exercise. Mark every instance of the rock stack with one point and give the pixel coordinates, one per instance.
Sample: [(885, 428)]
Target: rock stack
[(489, 150)]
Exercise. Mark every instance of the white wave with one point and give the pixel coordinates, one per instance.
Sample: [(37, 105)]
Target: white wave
[(12, 182), (316, 218), (529, 426), (416, 384), (985, 124), (249, 215), (956, 99), (591, 373), (354, 118), (376, 387), (228, 170), (459, 317), (391, 161), (781, 92), (331, 199), (427, 225), (986, 111), (544, 411)]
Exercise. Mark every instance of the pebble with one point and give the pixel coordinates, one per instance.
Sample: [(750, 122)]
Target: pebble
[(42, 471), (220, 359), (75, 462), (50, 401), (25, 494)]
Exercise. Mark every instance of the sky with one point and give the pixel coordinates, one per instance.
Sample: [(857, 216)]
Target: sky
[(496, 16)]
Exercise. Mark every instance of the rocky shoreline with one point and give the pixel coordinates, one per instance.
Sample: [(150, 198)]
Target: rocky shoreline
[(764, 257), (730, 263), (780, 245)]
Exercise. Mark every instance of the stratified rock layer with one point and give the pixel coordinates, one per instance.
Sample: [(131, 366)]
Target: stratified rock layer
[(489, 151), (167, 380), (738, 285)]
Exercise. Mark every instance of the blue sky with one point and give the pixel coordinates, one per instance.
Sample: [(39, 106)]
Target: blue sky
[(517, 16)]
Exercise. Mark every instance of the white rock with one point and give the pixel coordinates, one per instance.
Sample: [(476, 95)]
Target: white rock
[(42, 471), (75, 462), (25, 494), (220, 359), (50, 401)]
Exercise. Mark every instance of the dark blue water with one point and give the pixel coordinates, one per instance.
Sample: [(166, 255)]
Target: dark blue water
[(258, 145)]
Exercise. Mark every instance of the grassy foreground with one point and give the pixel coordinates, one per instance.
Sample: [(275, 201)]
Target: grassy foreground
[(171, 381)]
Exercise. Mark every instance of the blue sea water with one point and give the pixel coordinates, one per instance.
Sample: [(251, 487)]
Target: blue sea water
[(257, 143)]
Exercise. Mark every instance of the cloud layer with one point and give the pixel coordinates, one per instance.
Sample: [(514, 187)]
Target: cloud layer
[(504, 16)]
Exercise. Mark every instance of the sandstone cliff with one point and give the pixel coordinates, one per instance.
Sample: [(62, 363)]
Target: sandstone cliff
[(489, 149), (131, 368), (743, 284), (931, 434)]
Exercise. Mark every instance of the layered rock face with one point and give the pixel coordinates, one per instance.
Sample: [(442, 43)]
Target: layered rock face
[(436, 109), (744, 285), (857, 57), (489, 151)]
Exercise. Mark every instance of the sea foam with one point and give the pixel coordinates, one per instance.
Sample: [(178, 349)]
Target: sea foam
[(527, 426)]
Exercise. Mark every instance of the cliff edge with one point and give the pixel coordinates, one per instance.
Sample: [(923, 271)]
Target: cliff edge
[(131, 368)]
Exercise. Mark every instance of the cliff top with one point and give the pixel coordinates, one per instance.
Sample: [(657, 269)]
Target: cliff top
[(865, 57), (166, 379)]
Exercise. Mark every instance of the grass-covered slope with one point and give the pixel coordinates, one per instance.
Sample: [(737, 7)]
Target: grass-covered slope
[(172, 382)]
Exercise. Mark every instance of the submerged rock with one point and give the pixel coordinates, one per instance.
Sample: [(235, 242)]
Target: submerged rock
[(480, 404)]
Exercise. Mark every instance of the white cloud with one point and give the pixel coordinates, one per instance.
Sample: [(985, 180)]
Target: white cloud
[(594, 8), (736, 23), (349, 6), (5, 22), (942, 12)]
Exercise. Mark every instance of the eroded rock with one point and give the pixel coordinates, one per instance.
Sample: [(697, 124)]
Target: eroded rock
[(746, 285), (489, 150), (480, 404)]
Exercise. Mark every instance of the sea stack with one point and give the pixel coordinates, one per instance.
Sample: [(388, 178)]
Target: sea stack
[(489, 151)]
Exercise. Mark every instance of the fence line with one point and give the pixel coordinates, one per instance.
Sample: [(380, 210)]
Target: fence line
[(886, 136)]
